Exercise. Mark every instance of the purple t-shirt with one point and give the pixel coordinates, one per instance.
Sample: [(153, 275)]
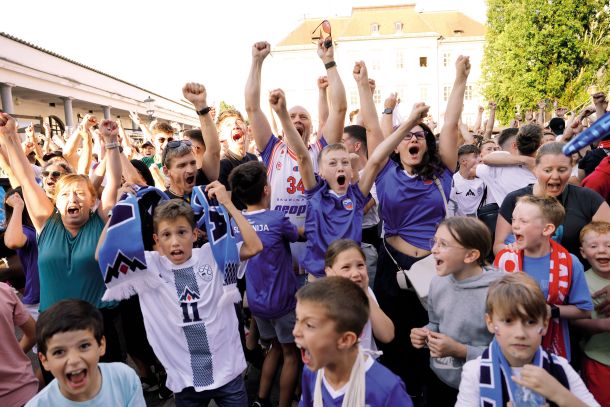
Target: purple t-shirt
[(28, 255), (328, 218), (271, 282), (382, 388), (410, 207)]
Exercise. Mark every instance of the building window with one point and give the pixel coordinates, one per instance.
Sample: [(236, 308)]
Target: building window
[(374, 29), (377, 96), (376, 58), (423, 93), (423, 62), (446, 59), (468, 92), (446, 92), (398, 26), (400, 56), (353, 97)]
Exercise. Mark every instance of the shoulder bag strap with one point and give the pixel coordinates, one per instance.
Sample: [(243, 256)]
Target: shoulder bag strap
[(440, 188)]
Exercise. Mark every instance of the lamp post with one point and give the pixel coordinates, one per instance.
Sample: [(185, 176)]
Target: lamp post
[(150, 111)]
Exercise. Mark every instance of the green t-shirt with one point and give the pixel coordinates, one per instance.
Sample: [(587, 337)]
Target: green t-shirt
[(149, 161), (67, 264), (598, 345)]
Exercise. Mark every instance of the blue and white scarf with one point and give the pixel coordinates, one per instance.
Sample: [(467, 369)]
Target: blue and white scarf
[(495, 370), (222, 241), (121, 256)]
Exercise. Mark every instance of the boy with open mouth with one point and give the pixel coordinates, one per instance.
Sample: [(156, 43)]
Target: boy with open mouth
[(70, 337), (336, 197)]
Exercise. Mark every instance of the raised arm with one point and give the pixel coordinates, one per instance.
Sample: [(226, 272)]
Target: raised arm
[(601, 104), (85, 158), (145, 130), (368, 114), (447, 148), (277, 100), (260, 126), (39, 206), (197, 95), (14, 238), (379, 157), (490, 121), (477, 123), (322, 102), (387, 124), (252, 244), (333, 128), (32, 138), (6, 167), (499, 158), (109, 132)]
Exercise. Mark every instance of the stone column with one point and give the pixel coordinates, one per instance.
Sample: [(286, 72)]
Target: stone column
[(69, 115), (106, 112), (6, 90)]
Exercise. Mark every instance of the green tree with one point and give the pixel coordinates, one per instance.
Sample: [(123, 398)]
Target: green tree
[(225, 106), (544, 49)]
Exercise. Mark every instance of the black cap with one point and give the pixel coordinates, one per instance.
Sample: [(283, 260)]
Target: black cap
[(52, 154), (147, 144)]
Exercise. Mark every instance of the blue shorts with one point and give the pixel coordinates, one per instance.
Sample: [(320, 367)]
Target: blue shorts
[(280, 328)]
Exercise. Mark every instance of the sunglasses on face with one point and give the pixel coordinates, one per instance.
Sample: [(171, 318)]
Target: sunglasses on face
[(324, 26), (54, 174), (419, 135), (162, 139)]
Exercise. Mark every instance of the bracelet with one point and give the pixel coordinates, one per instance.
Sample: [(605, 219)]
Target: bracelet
[(204, 111), (555, 311), (110, 146), (330, 64)]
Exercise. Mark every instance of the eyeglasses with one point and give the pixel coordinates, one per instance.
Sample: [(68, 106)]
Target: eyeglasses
[(441, 244), (54, 174), (324, 26), (172, 145), (419, 135), (162, 139)]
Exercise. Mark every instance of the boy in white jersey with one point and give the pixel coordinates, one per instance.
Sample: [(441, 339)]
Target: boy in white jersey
[(190, 326), (466, 189)]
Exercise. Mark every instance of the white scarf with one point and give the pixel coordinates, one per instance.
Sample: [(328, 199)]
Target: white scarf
[(355, 392)]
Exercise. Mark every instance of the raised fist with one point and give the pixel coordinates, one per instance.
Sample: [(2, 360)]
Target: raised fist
[(323, 82), (109, 130), (326, 54), (372, 85), (8, 126), (277, 100), (462, 67), (89, 121), (360, 72), (492, 105), (391, 101), (260, 50), (196, 94), (420, 110)]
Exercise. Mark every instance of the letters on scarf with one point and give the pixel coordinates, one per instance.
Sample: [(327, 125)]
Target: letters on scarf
[(560, 278)]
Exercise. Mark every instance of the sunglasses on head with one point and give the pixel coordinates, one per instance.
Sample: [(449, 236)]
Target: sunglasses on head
[(324, 26), (162, 139), (419, 135), (176, 143), (54, 174)]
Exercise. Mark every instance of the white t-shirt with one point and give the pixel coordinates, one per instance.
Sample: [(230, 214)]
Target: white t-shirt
[(470, 394), (465, 195), (367, 341), (192, 332), (371, 218), (502, 180)]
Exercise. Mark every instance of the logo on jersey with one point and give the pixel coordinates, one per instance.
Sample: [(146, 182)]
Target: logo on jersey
[(295, 168), (348, 204), (205, 272), (278, 166), (188, 295), (470, 193), (427, 182)]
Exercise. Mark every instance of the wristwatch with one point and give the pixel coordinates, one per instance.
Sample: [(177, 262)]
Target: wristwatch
[(204, 111), (388, 110), (555, 311)]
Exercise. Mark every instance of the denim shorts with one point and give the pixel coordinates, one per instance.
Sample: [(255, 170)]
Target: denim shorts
[(280, 328)]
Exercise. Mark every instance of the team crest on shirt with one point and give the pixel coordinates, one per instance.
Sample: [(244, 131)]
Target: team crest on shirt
[(278, 166), (188, 295), (205, 272), (348, 204), (295, 168)]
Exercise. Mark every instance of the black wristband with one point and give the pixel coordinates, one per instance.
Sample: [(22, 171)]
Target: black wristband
[(555, 311), (330, 64), (388, 110), (204, 111)]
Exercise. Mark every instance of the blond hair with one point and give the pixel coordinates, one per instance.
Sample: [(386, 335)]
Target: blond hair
[(516, 295), (67, 180)]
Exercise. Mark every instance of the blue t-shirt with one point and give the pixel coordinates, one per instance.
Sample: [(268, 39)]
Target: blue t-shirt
[(28, 255), (120, 388), (67, 264), (271, 282), (538, 269), (382, 388), (330, 217), (410, 207)]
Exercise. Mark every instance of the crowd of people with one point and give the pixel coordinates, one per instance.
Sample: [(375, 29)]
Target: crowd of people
[(269, 243)]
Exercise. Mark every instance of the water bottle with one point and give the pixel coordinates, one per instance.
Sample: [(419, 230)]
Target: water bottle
[(598, 130), (525, 397)]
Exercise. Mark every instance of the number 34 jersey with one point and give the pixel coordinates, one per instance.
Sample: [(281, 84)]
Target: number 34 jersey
[(193, 333), (287, 190)]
